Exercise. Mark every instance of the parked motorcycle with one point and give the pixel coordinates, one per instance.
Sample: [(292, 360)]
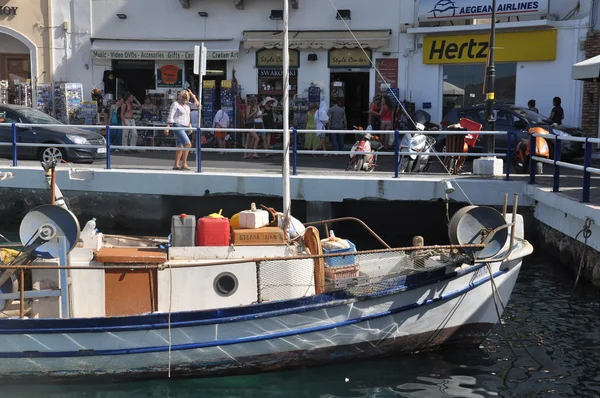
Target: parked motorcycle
[(460, 144), (418, 142), (366, 142), (523, 153)]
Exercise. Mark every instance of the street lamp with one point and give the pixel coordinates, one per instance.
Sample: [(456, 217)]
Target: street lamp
[(489, 141)]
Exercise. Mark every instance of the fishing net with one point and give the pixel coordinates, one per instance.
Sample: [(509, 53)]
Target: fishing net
[(357, 273)]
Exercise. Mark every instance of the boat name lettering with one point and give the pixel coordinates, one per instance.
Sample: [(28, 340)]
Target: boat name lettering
[(8, 11), (254, 237), (472, 49)]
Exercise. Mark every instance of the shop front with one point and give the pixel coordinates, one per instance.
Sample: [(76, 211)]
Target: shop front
[(160, 70), (23, 50), (324, 65), (462, 59)]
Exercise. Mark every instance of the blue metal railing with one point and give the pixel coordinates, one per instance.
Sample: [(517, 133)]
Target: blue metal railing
[(557, 163), (294, 152)]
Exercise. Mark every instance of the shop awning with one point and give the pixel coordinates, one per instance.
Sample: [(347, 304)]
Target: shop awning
[(318, 39), (163, 49), (588, 70), (451, 89)]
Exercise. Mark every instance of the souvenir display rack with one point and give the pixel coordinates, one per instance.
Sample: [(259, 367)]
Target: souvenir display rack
[(3, 91), (44, 98), (67, 101), (208, 99)]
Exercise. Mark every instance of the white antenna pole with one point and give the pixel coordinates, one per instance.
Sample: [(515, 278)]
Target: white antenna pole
[(287, 202)]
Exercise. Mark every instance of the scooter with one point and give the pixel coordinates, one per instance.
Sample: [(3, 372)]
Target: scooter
[(523, 152), (418, 142), (366, 142)]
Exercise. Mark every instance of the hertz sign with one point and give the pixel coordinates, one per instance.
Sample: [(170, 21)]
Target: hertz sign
[(510, 47)]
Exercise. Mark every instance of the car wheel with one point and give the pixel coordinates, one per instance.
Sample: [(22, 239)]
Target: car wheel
[(51, 153)]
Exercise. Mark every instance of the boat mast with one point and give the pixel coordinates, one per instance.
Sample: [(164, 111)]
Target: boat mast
[(287, 202)]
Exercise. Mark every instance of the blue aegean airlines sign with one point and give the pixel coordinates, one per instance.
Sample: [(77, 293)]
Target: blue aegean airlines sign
[(432, 10)]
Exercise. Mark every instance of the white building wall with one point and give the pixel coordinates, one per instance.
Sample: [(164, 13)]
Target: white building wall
[(543, 81)]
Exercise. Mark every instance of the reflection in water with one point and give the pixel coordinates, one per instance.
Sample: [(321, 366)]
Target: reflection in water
[(553, 352)]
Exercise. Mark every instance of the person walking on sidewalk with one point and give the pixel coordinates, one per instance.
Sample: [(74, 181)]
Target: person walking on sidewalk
[(337, 121), (179, 116), (129, 135)]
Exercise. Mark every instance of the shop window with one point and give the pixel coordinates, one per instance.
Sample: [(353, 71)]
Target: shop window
[(464, 84)]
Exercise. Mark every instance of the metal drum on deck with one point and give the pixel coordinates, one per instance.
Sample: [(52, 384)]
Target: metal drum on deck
[(471, 225)]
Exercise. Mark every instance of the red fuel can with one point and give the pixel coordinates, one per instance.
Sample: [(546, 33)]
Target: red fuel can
[(213, 232)]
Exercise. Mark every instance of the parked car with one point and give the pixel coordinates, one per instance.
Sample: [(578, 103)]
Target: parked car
[(517, 120), (93, 144)]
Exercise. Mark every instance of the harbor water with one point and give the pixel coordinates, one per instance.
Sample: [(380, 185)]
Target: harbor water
[(546, 346)]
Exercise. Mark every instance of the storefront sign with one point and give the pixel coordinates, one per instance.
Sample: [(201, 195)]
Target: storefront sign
[(349, 58), (169, 76), (275, 73), (166, 55), (388, 74), (269, 58), (7, 11), (447, 10), (510, 47)]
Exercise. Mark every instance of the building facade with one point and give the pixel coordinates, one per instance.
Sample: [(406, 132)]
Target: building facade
[(435, 56), (25, 42)]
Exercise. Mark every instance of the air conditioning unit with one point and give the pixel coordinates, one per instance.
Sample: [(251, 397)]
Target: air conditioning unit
[(404, 27)]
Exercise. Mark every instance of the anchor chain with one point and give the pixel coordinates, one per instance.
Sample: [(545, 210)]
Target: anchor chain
[(586, 232)]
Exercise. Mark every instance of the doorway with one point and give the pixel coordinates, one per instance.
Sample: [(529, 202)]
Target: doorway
[(352, 90)]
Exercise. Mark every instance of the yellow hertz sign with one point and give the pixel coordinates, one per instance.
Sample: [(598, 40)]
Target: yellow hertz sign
[(510, 47)]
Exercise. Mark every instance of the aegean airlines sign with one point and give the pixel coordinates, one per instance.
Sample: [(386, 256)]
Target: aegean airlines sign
[(432, 10)]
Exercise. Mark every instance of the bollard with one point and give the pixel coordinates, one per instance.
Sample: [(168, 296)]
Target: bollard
[(198, 150), (295, 150), (556, 177), (508, 152), (587, 162), (396, 151), (14, 144), (418, 241), (532, 151), (107, 147)]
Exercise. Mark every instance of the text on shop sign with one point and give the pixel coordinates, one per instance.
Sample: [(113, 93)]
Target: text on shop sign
[(8, 11), (182, 55), (344, 57), (470, 9), (274, 57), (510, 47)]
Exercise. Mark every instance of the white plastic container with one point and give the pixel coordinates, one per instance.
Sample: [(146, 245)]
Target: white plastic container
[(254, 218)]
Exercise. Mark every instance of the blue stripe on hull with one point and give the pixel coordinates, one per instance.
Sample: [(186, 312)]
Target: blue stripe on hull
[(220, 316), (250, 339)]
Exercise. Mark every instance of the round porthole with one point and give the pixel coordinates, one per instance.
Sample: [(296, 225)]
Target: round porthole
[(225, 284)]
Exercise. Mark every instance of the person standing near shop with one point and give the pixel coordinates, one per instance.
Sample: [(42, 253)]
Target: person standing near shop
[(129, 135), (253, 120), (531, 106), (310, 140), (337, 121), (558, 114), (179, 116), (116, 134), (268, 119), (221, 121), (386, 120), (374, 110), (321, 119)]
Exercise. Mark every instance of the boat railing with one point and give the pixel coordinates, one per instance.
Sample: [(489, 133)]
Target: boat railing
[(199, 148)]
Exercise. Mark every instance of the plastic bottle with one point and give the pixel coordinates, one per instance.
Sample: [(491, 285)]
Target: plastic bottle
[(90, 227)]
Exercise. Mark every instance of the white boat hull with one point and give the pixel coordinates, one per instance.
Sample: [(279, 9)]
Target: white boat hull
[(454, 309)]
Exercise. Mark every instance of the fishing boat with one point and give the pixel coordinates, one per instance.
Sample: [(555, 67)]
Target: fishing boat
[(247, 298)]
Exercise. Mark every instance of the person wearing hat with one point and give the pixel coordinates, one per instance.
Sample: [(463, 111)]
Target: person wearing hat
[(531, 106), (268, 121)]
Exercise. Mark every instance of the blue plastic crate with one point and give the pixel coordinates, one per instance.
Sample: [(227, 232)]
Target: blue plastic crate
[(341, 261)]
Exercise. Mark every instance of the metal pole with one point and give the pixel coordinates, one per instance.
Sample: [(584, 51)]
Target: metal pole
[(556, 171), (14, 144), (508, 151), (295, 152), (198, 149), (287, 203), (587, 177), (396, 151), (489, 141), (107, 147)]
